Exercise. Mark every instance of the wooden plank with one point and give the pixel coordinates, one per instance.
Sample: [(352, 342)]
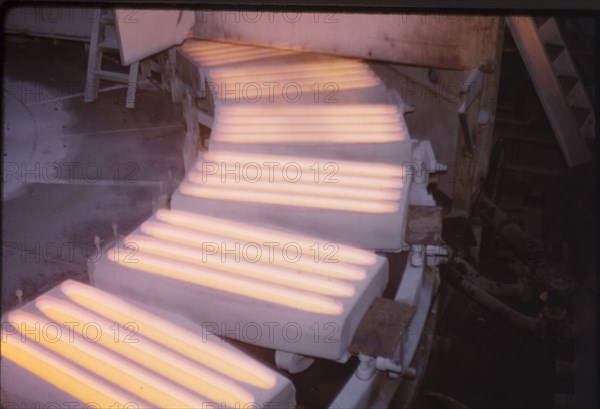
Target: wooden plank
[(448, 41)]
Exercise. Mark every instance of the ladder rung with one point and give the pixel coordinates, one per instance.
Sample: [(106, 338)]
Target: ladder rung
[(112, 76), (540, 20), (588, 129), (563, 65), (554, 51), (578, 97), (567, 82), (549, 32), (581, 114)]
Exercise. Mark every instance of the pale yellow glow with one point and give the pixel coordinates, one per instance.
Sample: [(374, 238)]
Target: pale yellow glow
[(221, 193), (314, 133), (331, 174), (312, 260), (351, 110), (294, 138), (214, 53), (318, 81), (64, 376), (260, 125), (270, 293), (232, 55), (104, 364), (333, 195), (215, 355), (163, 361), (252, 233), (266, 119), (326, 190), (263, 91), (343, 73), (260, 272), (293, 68), (220, 48), (227, 49), (312, 127), (344, 167), (319, 76), (321, 72)]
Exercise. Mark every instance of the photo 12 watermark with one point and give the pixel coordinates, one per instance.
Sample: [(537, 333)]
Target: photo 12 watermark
[(71, 172)]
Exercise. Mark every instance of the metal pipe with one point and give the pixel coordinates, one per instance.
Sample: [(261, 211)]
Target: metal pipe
[(516, 290), (463, 285), (524, 245)]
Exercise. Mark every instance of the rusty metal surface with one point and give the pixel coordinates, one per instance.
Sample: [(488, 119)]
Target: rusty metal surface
[(380, 329), (424, 225)]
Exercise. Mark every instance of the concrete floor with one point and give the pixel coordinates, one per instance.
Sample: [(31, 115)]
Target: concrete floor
[(72, 169)]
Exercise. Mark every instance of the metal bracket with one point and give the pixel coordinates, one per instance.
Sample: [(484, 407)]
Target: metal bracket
[(380, 330), (424, 225)]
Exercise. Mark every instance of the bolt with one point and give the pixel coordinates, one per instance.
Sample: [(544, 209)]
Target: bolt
[(433, 75)]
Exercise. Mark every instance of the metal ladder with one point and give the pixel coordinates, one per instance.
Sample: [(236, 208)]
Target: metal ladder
[(561, 91), (104, 38)]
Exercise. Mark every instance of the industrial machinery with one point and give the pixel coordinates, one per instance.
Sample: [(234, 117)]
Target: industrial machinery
[(310, 228)]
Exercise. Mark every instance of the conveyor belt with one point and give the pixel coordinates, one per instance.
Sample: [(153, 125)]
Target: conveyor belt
[(80, 345), (264, 239), (300, 141), (268, 287), (305, 182)]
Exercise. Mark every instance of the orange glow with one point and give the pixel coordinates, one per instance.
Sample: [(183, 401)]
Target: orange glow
[(307, 263), (326, 190), (364, 169), (260, 272), (292, 138), (257, 88), (270, 293), (298, 71), (359, 123), (200, 349), (304, 177), (222, 193), (163, 361), (106, 365), (350, 110), (322, 72), (294, 68), (334, 194), (63, 375), (338, 127), (214, 54), (277, 83), (243, 231)]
